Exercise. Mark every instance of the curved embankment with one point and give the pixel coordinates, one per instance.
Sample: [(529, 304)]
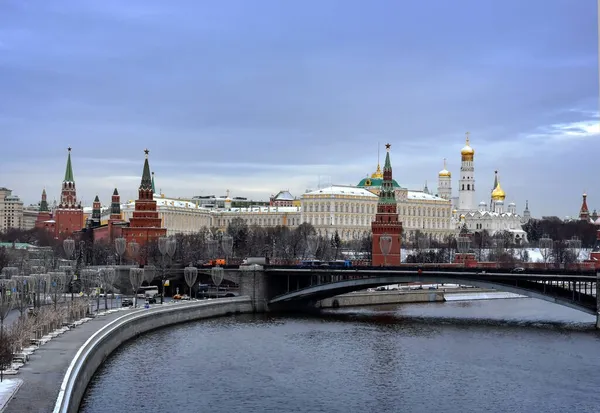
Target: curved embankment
[(100, 345)]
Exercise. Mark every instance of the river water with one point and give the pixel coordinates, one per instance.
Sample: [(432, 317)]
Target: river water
[(516, 355)]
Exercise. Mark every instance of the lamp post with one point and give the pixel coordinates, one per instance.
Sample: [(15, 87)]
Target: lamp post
[(423, 242), (134, 250), (312, 244), (166, 246), (120, 246), (545, 245), (190, 274), (149, 273), (109, 276), (227, 246), (463, 244), (574, 245), (217, 273), (136, 277), (385, 245)]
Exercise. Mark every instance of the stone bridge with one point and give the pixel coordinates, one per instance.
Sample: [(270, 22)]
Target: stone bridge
[(283, 288)]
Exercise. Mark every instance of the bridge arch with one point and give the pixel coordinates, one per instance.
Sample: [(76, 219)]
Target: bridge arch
[(328, 290)]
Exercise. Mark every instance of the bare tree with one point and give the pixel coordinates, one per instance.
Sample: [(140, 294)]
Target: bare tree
[(6, 304)]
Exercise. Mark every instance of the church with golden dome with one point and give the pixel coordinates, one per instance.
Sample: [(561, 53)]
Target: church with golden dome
[(493, 217)]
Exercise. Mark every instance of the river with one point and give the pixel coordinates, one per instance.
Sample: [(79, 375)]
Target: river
[(516, 355)]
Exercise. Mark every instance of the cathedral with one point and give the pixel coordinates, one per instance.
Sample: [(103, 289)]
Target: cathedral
[(493, 217)]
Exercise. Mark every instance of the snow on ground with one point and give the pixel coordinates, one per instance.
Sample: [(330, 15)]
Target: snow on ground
[(8, 388), (481, 296), (534, 254)]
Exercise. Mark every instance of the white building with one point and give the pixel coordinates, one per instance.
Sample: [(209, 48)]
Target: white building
[(185, 217), (11, 210), (350, 210), (494, 217)]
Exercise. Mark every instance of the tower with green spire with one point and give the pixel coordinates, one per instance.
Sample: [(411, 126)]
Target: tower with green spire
[(68, 216), (96, 212), (386, 229), (115, 206), (44, 202), (145, 225), (68, 195), (153, 186)]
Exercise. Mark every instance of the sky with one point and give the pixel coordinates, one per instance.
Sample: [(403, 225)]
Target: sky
[(264, 95)]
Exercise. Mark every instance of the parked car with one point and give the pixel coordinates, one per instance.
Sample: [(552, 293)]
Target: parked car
[(518, 269), (127, 302)]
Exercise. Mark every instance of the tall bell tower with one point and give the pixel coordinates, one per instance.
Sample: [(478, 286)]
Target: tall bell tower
[(466, 182)]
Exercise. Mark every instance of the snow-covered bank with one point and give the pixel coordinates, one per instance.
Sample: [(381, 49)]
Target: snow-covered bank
[(481, 296)]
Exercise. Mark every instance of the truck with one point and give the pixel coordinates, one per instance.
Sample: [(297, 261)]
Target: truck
[(256, 260)]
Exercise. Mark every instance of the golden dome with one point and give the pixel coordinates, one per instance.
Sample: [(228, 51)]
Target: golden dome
[(454, 211), (498, 194), (444, 172), (467, 150), (377, 174)]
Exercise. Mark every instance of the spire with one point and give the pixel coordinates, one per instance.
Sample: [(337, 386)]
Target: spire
[(386, 193), (69, 170), (44, 202), (153, 187), (96, 199), (387, 165), (526, 205), (146, 177), (584, 212), (495, 180), (425, 189), (115, 206)]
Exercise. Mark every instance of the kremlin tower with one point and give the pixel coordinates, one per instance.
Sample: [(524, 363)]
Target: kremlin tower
[(115, 206), (94, 221), (68, 216), (44, 217), (466, 184), (445, 183), (386, 229), (584, 212), (145, 225)]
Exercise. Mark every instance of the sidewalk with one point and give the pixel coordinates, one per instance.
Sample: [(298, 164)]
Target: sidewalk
[(43, 374)]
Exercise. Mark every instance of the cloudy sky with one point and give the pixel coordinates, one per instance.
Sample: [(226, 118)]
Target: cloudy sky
[(258, 96)]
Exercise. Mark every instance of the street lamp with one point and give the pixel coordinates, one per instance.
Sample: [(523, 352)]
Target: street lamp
[(109, 277), (385, 245), (69, 247), (423, 242), (166, 246), (190, 274), (136, 277), (574, 245), (120, 246), (227, 245), (217, 273), (134, 249), (211, 248), (463, 244), (312, 244), (545, 245)]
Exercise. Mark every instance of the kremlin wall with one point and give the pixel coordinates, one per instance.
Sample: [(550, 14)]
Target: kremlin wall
[(351, 211)]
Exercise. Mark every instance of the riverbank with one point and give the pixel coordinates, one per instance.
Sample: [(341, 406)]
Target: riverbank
[(65, 365), (402, 296)]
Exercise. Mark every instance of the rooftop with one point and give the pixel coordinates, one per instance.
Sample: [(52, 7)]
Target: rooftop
[(342, 190)]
